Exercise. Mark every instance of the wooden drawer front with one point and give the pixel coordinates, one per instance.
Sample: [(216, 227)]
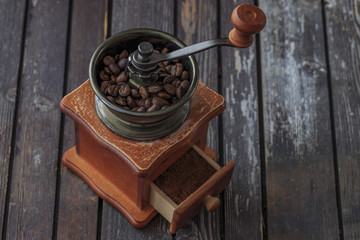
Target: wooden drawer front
[(180, 214)]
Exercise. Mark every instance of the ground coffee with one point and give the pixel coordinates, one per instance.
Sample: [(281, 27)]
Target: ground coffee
[(185, 176)]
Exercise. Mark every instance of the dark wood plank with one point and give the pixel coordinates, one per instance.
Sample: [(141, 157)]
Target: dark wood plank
[(129, 14), (78, 204), (32, 191), (243, 217), (11, 17), (197, 21), (301, 196), (343, 33)]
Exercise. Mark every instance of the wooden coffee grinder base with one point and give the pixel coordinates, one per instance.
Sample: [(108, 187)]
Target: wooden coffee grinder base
[(122, 171)]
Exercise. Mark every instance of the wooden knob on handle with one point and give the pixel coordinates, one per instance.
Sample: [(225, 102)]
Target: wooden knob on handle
[(211, 203), (247, 20)]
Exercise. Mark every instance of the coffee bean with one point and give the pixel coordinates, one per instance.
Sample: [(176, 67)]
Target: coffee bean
[(174, 100), (117, 58), (107, 70), (168, 68), (163, 73), (169, 79), (113, 79), (165, 63), (160, 101), (161, 65), (185, 84), (108, 60), (104, 86), (124, 90), (135, 93), (122, 63), (127, 108), (143, 92), (137, 101), (164, 107), (176, 83), (164, 50), (175, 60), (123, 77), (116, 91), (153, 108), (103, 76), (121, 101), (159, 83), (113, 90), (130, 101), (110, 98), (141, 109), (141, 102), (164, 95), (124, 54), (170, 89), (180, 92), (114, 68), (184, 75), (177, 69), (155, 88), (148, 103)]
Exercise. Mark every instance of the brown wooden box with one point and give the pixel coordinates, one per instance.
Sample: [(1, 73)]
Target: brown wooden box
[(122, 171)]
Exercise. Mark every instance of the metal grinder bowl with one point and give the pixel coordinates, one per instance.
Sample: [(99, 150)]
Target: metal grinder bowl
[(141, 125)]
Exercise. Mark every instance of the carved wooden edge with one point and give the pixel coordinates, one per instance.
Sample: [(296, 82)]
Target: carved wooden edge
[(100, 140), (116, 152), (138, 218)]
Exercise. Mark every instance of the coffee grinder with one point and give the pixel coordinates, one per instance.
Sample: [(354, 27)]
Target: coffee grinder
[(120, 154)]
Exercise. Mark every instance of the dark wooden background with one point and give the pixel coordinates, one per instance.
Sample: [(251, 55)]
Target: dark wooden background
[(291, 124)]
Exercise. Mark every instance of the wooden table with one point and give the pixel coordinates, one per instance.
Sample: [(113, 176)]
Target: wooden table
[(291, 122)]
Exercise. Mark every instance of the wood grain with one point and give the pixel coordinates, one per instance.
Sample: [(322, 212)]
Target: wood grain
[(78, 204), (343, 33), (299, 117), (11, 17), (161, 202), (243, 217), (129, 14), (32, 192), (301, 196), (197, 21)]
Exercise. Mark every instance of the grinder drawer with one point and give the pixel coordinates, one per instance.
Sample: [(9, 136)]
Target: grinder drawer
[(190, 183)]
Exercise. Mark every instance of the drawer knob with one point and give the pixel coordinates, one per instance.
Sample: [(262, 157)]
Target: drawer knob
[(211, 203)]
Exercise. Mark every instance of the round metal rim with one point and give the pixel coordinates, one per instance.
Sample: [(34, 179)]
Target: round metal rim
[(145, 131), (149, 32)]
